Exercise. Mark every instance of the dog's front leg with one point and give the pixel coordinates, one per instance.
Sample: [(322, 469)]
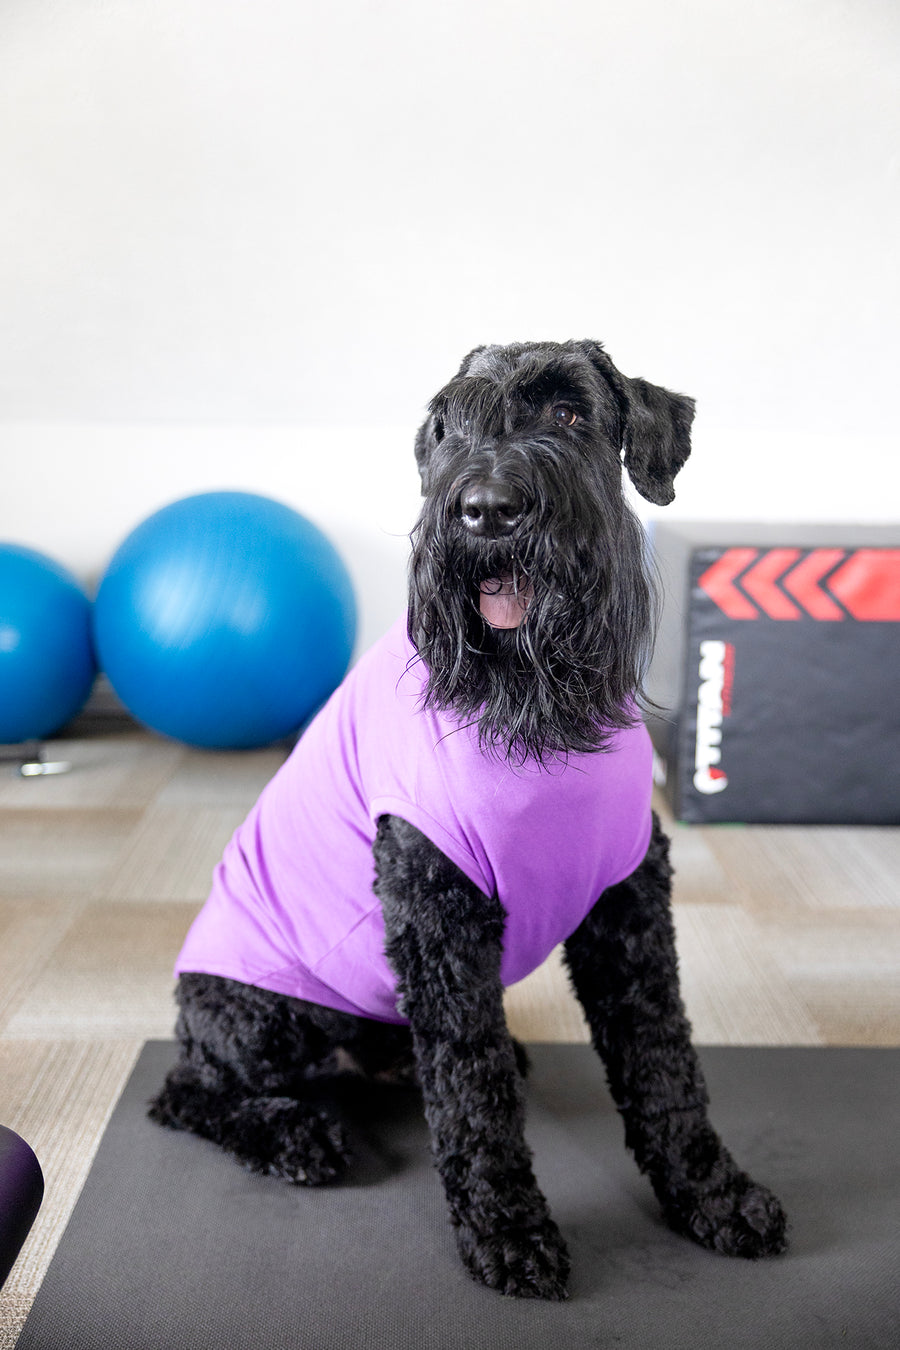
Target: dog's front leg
[(625, 972), (444, 941)]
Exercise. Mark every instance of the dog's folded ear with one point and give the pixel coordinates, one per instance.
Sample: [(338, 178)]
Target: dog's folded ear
[(656, 437)]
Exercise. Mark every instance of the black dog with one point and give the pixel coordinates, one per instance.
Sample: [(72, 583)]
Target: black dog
[(531, 612)]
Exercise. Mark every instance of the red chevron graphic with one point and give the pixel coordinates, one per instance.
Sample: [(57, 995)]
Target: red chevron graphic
[(759, 583), (868, 584), (802, 582), (718, 583)]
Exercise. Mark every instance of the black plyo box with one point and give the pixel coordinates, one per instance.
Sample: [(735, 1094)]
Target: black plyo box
[(777, 672)]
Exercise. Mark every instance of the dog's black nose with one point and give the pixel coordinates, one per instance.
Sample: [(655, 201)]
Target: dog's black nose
[(491, 507)]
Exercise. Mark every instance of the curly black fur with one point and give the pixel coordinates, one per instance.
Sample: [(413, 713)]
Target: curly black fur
[(255, 1075), (447, 959), (257, 1070), (624, 971)]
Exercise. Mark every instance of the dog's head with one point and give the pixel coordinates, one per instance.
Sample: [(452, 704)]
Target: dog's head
[(529, 596)]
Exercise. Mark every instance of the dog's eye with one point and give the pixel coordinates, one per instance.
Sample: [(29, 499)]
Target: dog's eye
[(563, 415)]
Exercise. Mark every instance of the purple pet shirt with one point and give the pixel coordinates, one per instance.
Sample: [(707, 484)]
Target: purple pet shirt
[(292, 907)]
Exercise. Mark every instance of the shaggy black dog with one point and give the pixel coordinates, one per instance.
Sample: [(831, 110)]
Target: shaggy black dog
[(531, 608)]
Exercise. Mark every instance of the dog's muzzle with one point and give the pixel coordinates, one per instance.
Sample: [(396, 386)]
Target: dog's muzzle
[(491, 508)]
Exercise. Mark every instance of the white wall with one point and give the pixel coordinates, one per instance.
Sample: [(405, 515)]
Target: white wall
[(242, 243)]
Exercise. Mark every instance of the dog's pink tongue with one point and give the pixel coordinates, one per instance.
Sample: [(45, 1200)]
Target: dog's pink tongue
[(501, 604)]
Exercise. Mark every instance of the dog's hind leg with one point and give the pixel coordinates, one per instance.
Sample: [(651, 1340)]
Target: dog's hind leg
[(240, 1080), (444, 940), (624, 970)]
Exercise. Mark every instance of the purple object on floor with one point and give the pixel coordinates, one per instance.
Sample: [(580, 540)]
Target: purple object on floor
[(21, 1192)]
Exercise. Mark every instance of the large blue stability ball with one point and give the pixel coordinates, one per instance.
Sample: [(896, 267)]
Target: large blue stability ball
[(225, 620), (47, 663)]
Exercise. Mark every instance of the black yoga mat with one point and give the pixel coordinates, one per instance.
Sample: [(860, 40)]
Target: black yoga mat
[(172, 1245)]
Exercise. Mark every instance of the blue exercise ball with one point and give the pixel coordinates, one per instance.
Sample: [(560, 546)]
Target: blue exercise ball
[(225, 620), (47, 662)]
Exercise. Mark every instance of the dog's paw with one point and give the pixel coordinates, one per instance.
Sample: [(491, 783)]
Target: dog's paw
[(528, 1262), (317, 1154), (739, 1218), (300, 1143)]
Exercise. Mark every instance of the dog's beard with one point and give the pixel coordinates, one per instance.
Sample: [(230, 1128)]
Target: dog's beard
[(568, 674)]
